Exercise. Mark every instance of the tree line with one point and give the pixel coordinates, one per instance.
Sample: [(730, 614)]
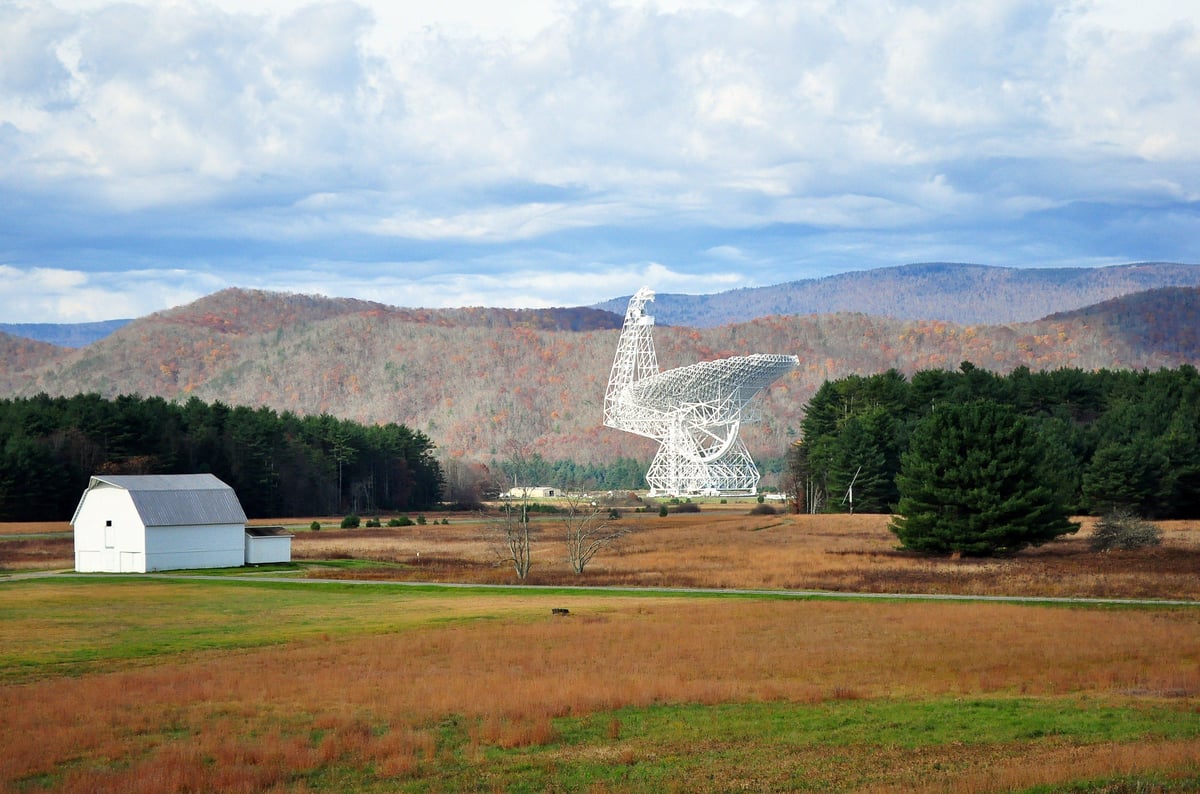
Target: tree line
[(279, 464), (1100, 441)]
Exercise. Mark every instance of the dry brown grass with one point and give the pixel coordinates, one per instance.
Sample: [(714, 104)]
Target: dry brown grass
[(724, 547), (259, 719), (730, 549)]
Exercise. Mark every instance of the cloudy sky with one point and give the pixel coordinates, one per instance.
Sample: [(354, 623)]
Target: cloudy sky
[(540, 153)]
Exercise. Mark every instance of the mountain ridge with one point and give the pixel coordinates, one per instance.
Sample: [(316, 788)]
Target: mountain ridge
[(481, 382), (963, 293), (953, 292)]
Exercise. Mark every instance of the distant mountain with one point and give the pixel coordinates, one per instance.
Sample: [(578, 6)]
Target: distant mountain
[(967, 294), (1166, 320), (64, 334), (18, 354), (241, 310), (478, 381)]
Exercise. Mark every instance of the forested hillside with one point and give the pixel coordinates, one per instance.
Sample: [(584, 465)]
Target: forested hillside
[(969, 294), (1160, 319), (481, 383), (1108, 439), (18, 354), (279, 465)]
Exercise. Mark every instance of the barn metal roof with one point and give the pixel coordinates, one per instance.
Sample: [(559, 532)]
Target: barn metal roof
[(167, 500)]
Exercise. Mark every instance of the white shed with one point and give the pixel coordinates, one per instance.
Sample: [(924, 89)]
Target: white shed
[(158, 522), (267, 545)]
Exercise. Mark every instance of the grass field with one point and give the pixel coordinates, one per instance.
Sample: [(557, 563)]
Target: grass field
[(177, 684)]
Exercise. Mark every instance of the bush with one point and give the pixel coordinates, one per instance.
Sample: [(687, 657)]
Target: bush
[(421, 519), (315, 526), (614, 513), (401, 521), (373, 522), (686, 507), (350, 522), (662, 510), (761, 498), (1121, 529), (762, 509)]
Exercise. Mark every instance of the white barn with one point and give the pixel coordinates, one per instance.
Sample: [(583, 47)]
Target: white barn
[(158, 522)]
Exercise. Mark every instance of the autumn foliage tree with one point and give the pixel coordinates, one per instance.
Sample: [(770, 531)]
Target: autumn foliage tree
[(974, 481)]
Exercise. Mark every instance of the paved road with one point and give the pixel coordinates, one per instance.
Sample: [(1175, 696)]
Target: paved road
[(533, 588)]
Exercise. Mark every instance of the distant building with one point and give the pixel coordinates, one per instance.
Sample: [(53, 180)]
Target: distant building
[(530, 492), (162, 522)]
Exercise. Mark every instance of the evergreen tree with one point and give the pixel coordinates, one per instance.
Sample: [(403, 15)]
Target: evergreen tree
[(860, 456), (1125, 475), (974, 481)]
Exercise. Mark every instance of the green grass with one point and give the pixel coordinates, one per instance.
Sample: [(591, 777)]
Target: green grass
[(782, 746), (69, 625), (73, 625)]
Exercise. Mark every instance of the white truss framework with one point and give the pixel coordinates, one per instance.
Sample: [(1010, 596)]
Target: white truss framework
[(694, 412)]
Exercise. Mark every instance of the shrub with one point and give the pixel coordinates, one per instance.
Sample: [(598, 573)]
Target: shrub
[(761, 509), (662, 510), (350, 522), (1121, 529), (686, 507), (614, 513), (421, 519), (445, 522), (761, 498), (373, 522), (400, 521), (315, 526)]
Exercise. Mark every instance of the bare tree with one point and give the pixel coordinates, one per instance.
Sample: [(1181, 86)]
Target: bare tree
[(509, 535), (589, 528), (467, 483)]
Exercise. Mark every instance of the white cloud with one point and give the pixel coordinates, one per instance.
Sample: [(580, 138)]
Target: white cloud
[(50, 295), (477, 137), (518, 288)]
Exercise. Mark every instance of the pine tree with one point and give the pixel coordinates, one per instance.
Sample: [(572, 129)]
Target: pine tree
[(973, 481)]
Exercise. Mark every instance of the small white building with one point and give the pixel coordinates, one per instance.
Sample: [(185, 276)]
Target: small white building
[(159, 522), (530, 492), (268, 544)]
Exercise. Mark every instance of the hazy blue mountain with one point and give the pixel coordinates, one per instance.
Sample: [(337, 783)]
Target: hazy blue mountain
[(958, 293), (64, 334)]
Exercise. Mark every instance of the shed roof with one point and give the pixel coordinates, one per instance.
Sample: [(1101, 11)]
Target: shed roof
[(165, 500), (268, 532)]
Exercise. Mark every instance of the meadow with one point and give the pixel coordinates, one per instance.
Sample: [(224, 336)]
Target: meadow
[(240, 683)]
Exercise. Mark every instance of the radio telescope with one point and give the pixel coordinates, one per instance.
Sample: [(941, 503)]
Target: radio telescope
[(694, 412)]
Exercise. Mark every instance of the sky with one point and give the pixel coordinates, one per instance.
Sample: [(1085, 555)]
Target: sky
[(534, 153)]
